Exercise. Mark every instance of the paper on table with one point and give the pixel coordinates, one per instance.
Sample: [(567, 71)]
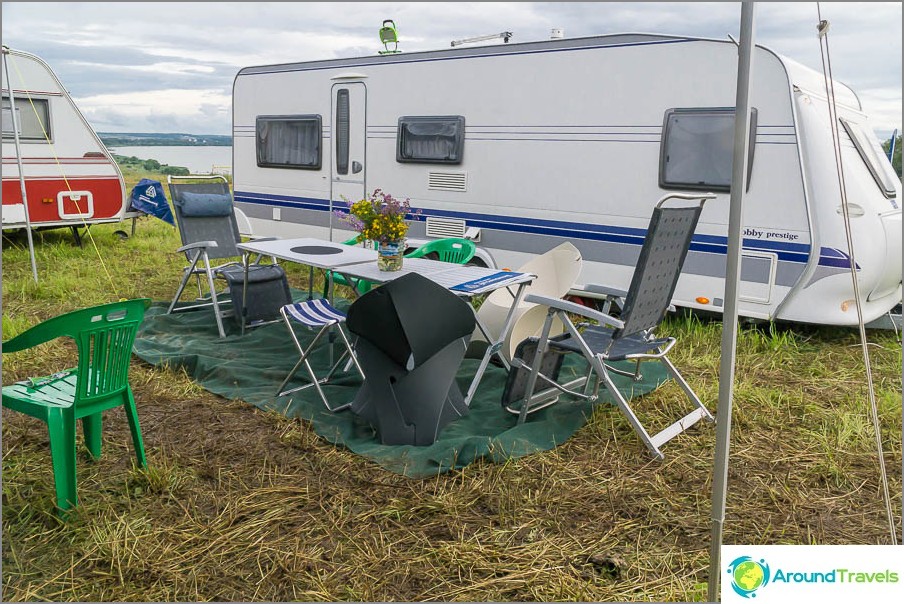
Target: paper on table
[(486, 283)]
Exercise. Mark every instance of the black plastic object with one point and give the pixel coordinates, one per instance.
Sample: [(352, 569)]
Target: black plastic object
[(316, 250), (268, 291), (412, 336), (516, 381)]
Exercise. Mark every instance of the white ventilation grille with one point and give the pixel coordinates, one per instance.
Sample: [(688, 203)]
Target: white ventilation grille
[(445, 227), (447, 181)]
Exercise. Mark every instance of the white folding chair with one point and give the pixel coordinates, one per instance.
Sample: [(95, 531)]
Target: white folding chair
[(556, 271), (318, 315)]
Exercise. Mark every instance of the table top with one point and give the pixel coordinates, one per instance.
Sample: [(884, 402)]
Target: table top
[(318, 253), (461, 279)]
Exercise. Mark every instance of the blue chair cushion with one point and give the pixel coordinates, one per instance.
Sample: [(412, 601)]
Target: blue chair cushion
[(199, 205)]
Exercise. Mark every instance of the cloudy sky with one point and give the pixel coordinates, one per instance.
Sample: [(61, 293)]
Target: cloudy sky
[(169, 67)]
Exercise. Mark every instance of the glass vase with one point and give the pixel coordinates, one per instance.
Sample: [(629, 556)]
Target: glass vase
[(389, 255)]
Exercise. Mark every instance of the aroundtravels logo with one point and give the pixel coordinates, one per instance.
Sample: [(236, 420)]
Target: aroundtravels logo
[(748, 575), (812, 573)]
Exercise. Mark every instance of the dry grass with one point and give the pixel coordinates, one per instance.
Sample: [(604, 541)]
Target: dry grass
[(239, 504)]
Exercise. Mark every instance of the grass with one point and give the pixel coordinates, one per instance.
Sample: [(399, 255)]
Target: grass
[(240, 504)]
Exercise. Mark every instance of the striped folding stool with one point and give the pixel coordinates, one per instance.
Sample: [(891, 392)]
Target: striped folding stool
[(319, 315)]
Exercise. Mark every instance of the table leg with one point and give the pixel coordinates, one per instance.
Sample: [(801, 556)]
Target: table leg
[(331, 335), (495, 345), (245, 262)]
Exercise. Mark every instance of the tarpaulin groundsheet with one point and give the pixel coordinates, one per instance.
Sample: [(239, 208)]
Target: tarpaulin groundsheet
[(250, 367)]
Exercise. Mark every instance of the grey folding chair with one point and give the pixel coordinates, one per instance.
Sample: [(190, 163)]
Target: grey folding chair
[(533, 380), (209, 231)]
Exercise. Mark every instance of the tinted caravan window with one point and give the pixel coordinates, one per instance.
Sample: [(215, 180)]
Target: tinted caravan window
[(431, 139), (289, 141), (697, 146), (872, 156), (32, 115)]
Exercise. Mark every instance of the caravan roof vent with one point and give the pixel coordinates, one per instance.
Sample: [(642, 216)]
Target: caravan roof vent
[(445, 227), (447, 181)]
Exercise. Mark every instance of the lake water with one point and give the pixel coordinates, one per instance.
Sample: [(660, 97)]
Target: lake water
[(199, 160)]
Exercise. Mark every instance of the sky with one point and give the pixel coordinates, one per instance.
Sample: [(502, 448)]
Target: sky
[(169, 67)]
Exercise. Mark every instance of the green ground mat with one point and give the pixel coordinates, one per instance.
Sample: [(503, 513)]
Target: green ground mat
[(250, 367)]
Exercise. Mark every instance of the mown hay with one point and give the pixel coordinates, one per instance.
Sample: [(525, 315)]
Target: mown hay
[(239, 504)]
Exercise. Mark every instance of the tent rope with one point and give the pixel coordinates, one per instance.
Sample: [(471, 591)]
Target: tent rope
[(28, 95), (823, 31)]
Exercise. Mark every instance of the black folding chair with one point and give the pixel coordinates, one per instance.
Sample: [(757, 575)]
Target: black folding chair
[(209, 231), (533, 380)]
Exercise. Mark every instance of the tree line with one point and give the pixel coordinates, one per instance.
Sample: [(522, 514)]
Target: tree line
[(896, 158), (151, 165)]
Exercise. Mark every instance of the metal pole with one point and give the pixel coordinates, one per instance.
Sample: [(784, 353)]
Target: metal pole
[(15, 121), (732, 282)]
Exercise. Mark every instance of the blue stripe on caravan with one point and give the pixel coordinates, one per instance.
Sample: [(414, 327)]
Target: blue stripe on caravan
[(284, 201), (714, 244)]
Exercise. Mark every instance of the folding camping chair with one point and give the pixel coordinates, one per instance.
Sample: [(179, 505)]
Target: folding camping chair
[(538, 360), (556, 271), (209, 231), (320, 315)]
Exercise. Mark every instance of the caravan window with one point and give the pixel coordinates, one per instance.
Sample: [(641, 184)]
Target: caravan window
[(289, 141), (697, 147), (32, 115), (874, 159), (431, 139)]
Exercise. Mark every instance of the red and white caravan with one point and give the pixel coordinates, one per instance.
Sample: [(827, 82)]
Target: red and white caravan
[(70, 178)]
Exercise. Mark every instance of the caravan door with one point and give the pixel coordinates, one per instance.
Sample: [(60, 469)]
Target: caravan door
[(347, 182)]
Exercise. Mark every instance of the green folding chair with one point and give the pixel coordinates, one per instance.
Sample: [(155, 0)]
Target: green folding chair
[(452, 249), (103, 336)]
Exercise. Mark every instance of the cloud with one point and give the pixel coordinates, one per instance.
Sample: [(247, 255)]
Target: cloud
[(174, 110), (123, 52)]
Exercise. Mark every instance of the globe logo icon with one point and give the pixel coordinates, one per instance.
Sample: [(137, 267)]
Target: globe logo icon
[(748, 575)]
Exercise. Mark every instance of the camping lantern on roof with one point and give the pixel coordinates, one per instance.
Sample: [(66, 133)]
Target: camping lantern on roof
[(389, 35)]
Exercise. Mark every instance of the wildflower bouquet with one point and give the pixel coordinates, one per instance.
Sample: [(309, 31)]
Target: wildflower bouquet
[(380, 218)]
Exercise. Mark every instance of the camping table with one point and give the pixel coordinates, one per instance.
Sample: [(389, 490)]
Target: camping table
[(316, 253), (466, 281)]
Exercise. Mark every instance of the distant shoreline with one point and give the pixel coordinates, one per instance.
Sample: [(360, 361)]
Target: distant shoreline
[(118, 143), (151, 139)]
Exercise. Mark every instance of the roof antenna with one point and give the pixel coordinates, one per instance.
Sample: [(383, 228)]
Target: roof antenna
[(505, 35), (389, 35)]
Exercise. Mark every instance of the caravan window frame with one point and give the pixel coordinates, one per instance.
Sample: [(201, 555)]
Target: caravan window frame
[(668, 128), (404, 153), (870, 156), (315, 120), (45, 135)]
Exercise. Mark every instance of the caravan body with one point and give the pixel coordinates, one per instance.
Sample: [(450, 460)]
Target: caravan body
[(70, 177), (525, 146)]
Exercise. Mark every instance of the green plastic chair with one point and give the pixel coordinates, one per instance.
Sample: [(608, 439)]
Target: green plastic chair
[(452, 249), (362, 286), (104, 336)]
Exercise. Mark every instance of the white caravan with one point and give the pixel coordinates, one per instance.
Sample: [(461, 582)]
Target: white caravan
[(70, 178), (525, 146)]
